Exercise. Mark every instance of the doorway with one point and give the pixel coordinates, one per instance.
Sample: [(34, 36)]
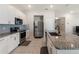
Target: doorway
[(38, 26)]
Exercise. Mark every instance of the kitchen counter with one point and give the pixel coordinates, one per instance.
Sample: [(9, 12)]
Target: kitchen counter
[(6, 34), (68, 43)]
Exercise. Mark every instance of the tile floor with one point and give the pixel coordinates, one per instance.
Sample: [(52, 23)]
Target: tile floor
[(33, 48)]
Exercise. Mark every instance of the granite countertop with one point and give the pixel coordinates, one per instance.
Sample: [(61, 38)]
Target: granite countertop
[(67, 43), (6, 34)]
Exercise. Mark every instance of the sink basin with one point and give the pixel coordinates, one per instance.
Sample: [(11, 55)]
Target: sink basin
[(54, 34)]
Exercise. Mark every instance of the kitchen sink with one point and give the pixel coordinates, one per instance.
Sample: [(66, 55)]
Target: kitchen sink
[(54, 34)]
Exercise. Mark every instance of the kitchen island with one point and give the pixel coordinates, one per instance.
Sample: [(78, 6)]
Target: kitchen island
[(58, 45)]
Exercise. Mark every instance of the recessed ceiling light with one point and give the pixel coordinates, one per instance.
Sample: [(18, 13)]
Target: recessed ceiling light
[(51, 6), (29, 6)]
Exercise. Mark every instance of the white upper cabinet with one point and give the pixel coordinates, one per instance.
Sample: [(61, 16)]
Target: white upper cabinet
[(8, 14)]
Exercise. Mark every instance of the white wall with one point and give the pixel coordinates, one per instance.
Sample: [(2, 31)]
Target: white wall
[(72, 19), (8, 14), (49, 19)]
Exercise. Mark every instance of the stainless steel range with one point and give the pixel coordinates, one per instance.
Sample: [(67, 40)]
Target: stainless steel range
[(22, 33), (22, 36)]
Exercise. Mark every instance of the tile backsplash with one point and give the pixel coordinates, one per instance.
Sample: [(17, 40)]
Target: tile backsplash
[(6, 27)]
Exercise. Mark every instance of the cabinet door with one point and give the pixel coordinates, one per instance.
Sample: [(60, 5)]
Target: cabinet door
[(47, 40), (48, 44), (27, 34), (51, 47), (3, 46), (17, 35), (13, 42), (10, 43)]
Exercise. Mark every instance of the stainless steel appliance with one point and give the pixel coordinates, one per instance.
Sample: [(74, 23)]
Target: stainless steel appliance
[(38, 26), (22, 36), (14, 29), (18, 21), (22, 33)]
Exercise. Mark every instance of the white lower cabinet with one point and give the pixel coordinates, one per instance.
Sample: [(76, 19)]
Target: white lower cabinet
[(50, 46), (8, 43), (13, 42), (3, 46), (17, 38)]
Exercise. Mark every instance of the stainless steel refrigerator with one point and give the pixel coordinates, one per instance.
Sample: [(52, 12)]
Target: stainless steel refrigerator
[(38, 26)]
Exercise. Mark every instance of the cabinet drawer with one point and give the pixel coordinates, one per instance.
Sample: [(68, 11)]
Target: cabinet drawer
[(13, 42), (3, 46)]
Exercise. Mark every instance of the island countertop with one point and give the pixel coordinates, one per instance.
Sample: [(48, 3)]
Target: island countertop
[(69, 42)]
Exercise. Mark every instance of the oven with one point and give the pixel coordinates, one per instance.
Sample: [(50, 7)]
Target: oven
[(22, 36)]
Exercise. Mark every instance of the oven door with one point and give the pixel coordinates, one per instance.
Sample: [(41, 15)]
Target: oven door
[(22, 35)]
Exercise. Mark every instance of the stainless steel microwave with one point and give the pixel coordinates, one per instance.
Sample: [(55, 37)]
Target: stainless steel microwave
[(18, 21)]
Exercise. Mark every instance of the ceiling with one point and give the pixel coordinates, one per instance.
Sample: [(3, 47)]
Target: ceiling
[(57, 8)]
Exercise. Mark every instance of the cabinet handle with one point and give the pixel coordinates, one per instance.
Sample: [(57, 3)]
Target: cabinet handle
[(15, 38)]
